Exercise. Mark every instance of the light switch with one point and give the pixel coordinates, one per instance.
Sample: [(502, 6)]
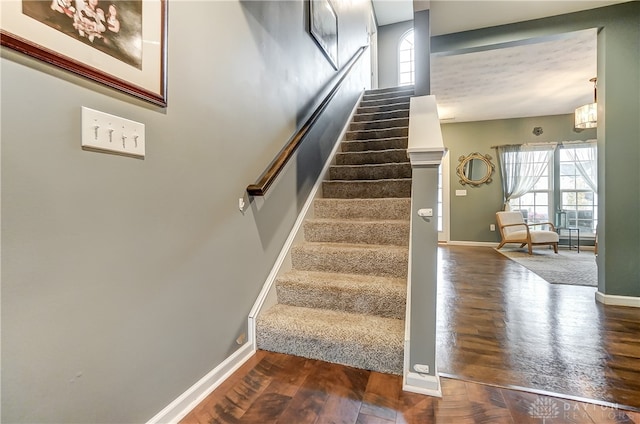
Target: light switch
[(461, 192), (109, 133)]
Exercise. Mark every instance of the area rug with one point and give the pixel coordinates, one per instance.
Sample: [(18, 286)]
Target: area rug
[(565, 267)]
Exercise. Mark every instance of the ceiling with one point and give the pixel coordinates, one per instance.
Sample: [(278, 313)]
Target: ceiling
[(540, 77)]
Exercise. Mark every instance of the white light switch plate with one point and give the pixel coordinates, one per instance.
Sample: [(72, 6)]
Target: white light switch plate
[(109, 133), (461, 192)]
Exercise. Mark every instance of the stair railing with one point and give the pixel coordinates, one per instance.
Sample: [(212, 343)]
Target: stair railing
[(260, 187), (425, 150)]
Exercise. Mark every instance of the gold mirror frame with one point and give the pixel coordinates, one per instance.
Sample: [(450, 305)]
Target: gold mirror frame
[(464, 163)]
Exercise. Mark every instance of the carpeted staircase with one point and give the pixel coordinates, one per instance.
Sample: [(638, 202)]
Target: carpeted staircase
[(344, 300)]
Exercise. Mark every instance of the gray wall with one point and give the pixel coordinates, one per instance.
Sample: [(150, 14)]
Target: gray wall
[(471, 215), (422, 52), (424, 269), (388, 43), (125, 281), (618, 129)]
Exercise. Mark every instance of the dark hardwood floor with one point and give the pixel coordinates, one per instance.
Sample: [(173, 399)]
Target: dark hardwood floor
[(501, 324), (498, 324), (278, 388)]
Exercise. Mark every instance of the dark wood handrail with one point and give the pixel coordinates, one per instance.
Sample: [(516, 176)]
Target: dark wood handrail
[(277, 165)]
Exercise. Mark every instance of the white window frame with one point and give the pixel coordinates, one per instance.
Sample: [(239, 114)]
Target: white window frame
[(555, 198), (538, 189), (402, 48), (573, 218)]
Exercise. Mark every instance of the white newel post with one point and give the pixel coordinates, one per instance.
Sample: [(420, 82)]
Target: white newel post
[(425, 151)]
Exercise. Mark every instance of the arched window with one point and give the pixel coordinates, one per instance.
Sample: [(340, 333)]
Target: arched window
[(405, 59)]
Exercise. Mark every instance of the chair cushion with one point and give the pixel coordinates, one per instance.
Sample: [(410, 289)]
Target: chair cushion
[(508, 218), (540, 236), (516, 235)]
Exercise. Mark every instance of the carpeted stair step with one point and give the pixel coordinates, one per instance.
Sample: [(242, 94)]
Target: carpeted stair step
[(379, 144), (389, 89), (386, 108), (390, 97), (358, 340), (364, 117), (380, 260), (372, 157), (370, 171), (381, 102), (377, 133), (393, 232), (361, 189), (380, 124), (380, 296), (344, 299), (374, 95), (362, 208)]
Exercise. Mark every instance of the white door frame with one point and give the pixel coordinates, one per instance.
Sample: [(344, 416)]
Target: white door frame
[(373, 51), (444, 235)]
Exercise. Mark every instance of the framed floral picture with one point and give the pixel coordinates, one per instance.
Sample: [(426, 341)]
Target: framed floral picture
[(121, 44), (323, 24)]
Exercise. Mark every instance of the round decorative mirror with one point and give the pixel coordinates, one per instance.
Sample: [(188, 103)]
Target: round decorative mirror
[(475, 169)]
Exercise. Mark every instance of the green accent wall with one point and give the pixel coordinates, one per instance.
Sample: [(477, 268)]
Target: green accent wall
[(471, 215)]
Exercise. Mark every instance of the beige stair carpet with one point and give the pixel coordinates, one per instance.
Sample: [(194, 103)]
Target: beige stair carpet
[(344, 301)]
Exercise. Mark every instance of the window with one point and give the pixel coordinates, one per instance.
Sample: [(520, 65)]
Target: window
[(406, 59), (577, 198), (566, 193), (535, 204)]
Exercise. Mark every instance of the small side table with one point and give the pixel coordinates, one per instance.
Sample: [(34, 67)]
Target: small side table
[(571, 230)]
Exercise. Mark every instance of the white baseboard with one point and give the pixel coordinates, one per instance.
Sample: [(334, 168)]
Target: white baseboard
[(611, 299), (472, 243), (185, 403), (424, 384)]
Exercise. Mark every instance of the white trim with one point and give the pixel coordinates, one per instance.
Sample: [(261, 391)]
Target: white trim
[(445, 234), (473, 243), (426, 157), (420, 383), (425, 146), (187, 401), (612, 299), (269, 285), (407, 311)]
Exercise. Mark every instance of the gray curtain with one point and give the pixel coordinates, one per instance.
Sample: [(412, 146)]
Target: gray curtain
[(521, 166)]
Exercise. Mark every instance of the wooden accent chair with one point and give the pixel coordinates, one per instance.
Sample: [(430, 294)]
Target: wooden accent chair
[(513, 229)]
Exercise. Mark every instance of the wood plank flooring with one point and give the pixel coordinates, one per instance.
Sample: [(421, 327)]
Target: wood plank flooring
[(501, 324), (498, 324), (277, 388)]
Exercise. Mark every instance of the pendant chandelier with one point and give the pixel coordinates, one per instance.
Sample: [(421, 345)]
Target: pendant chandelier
[(587, 116)]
